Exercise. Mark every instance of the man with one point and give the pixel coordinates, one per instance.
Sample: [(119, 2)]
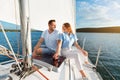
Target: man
[(50, 37)]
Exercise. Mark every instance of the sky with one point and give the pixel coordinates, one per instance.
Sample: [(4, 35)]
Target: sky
[(97, 13)]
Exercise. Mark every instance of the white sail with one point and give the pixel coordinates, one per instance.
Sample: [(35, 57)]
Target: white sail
[(41, 11), (9, 11)]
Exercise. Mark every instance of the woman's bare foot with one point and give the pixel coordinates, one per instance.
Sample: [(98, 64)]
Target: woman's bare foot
[(83, 73), (86, 62)]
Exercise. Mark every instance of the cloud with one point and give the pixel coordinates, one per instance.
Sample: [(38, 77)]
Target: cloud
[(115, 5), (98, 13)]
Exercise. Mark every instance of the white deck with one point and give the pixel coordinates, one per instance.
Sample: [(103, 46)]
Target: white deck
[(64, 74), (66, 71)]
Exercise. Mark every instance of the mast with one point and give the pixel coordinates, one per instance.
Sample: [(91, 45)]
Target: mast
[(25, 31)]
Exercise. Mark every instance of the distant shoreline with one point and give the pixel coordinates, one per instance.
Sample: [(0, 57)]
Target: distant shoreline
[(100, 30), (9, 30)]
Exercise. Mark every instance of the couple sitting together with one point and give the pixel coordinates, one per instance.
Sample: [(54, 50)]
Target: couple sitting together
[(57, 43)]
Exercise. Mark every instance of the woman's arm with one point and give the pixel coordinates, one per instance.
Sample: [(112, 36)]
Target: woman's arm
[(77, 45), (59, 44)]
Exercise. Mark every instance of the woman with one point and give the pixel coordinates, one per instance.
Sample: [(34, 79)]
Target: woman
[(66, 40)]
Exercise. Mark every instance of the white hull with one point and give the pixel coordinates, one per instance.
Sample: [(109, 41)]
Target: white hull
[(66, 71)]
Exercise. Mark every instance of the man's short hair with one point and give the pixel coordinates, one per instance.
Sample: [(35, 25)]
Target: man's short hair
[(50, 21)]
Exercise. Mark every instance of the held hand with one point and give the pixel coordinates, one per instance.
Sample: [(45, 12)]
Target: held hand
[(34, 52), (35, 48), (55, 56)]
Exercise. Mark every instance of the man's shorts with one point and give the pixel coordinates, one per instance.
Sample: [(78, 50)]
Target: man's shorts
[(46, 50)]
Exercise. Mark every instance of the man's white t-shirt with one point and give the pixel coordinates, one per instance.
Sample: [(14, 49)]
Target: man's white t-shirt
[(51, 39)]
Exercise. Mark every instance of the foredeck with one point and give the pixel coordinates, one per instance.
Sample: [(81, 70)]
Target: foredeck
[(68, 71), (62, 69)]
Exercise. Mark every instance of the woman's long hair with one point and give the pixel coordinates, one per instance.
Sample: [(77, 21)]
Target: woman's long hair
[(68, 27)]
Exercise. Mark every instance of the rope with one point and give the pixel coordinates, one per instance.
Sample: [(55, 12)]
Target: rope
[(34, 67), (10, 46), (12, 57)]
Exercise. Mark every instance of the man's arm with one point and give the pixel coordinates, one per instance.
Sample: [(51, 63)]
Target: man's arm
[(40, 40), (37, 46), (39, 43)]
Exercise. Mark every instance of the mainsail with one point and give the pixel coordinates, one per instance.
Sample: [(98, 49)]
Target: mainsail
[(41, 11), (9, 11)]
